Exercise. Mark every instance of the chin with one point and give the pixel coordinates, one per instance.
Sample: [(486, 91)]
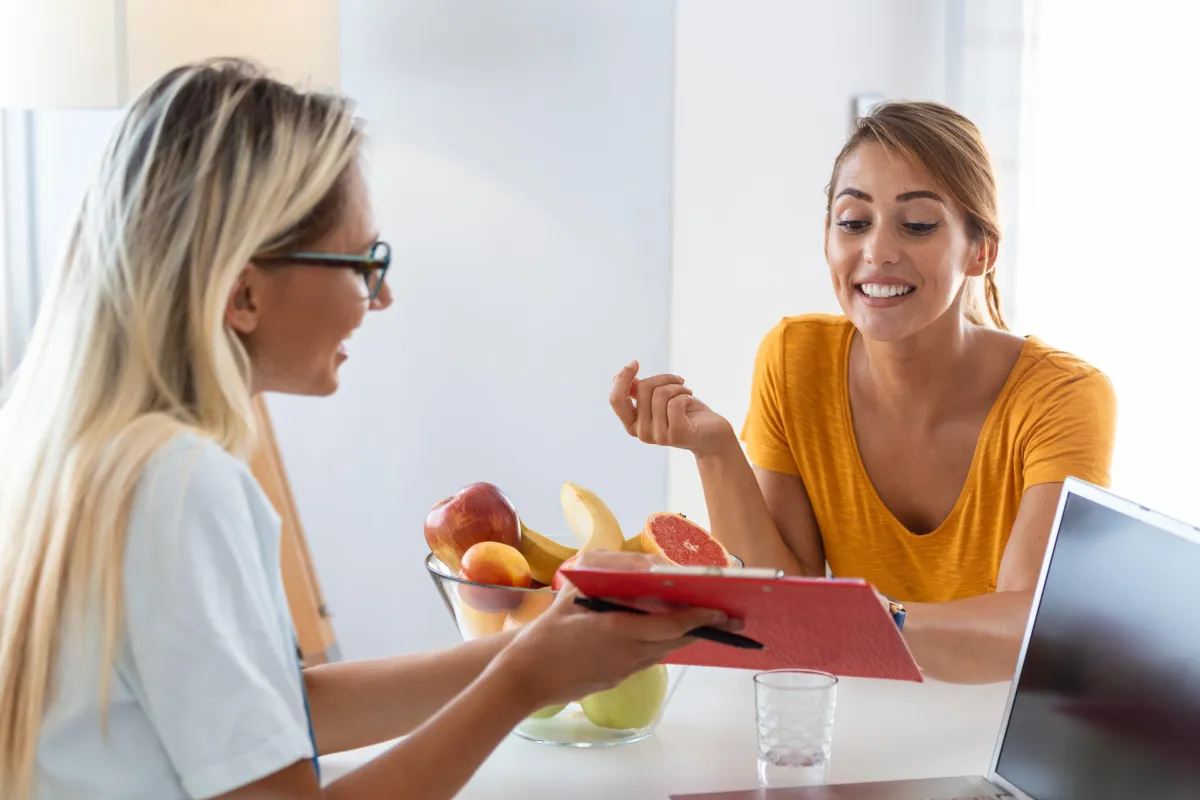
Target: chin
[(328, 381), (886, 324), (327, 387), (890, 334), (315, 386)]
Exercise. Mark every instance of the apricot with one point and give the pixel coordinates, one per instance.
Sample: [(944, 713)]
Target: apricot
[(494, 565)]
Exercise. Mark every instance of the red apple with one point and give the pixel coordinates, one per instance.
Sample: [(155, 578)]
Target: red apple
[(495, 565), (560, 579), (479, 512)]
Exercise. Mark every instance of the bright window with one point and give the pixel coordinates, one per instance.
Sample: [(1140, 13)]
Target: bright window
[(1110, 214)]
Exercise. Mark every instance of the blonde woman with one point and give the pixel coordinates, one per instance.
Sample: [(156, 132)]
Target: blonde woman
[(226, 248)]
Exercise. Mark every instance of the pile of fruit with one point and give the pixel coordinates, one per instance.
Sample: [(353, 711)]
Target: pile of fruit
[(514, 572)]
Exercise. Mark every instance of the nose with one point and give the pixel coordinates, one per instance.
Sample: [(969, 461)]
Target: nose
[(383, 299), (881, 246)]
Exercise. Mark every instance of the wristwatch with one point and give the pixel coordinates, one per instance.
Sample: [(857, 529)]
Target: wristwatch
[(897, 610)]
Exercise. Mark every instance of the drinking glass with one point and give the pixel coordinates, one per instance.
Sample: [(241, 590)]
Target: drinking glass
[(795, 726)]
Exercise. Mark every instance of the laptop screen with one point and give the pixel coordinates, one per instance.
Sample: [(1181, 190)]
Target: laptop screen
[(1108, 700)]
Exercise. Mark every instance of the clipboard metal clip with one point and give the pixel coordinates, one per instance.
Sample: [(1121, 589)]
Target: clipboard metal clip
[(731, 572)]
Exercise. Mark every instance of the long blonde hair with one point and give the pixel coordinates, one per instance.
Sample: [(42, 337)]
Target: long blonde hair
[(950, 147), (213, 164)]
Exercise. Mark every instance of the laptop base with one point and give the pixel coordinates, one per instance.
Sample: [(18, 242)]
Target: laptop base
[(964, 788)]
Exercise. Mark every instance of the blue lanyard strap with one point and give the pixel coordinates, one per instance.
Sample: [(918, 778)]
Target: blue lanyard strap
[(308, 714)]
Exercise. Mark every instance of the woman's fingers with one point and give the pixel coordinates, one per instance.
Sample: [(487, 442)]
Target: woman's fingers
[(646, 390), (676, 414), (659, 408), (652, 409), (665, 629), (621, 396)]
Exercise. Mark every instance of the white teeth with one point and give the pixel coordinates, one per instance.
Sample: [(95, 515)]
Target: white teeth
[(885, 289)]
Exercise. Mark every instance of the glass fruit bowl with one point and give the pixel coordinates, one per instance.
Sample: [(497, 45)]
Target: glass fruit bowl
[(629, 713)]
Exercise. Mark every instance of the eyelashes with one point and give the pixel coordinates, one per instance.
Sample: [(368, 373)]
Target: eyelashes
[(915, 228)]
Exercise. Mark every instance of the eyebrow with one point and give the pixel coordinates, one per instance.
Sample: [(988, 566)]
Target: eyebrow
[(861, 195), (919, 194), (900, 198)]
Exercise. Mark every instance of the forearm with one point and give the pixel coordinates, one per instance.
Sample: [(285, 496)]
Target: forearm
[(366, 702), (440, 756), (739, 516), (974, 640)]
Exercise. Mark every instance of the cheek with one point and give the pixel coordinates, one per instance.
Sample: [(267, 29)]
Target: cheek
[(841, 255), (942, 267), (315, 315)]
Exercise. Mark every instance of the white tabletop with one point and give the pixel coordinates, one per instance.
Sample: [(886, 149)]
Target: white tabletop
[(883, 730)]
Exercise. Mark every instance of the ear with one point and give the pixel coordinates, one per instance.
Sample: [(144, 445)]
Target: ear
[(245, 301), (983, 259)]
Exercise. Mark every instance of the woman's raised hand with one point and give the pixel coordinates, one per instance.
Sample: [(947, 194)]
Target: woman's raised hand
[(661, 410)]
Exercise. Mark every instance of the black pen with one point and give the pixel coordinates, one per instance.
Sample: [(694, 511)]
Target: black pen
[(706, 632)]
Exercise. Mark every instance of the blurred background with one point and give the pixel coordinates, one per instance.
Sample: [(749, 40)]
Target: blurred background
[(571, 184)]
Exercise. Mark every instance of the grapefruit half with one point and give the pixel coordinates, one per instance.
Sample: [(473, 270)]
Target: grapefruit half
[(683, 542)]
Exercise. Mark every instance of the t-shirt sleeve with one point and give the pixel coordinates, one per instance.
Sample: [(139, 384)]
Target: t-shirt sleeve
[(1073, 433), (211, 663), (764, 431)]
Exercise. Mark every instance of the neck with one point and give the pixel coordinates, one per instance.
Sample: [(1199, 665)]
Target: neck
[(922, 376)]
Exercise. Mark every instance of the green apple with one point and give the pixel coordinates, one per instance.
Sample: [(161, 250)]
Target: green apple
[(633, 703), (547, 712)]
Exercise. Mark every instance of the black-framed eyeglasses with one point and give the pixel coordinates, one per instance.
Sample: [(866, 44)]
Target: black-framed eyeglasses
[(373, 266)]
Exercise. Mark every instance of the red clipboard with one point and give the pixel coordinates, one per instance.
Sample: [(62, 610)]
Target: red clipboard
[(836, 625)]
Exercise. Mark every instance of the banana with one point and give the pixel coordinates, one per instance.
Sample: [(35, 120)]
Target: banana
[(544, 555), (594, 523), (634, 544)]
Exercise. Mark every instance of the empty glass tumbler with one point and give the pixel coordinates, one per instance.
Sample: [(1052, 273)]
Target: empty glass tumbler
[(795, 726)]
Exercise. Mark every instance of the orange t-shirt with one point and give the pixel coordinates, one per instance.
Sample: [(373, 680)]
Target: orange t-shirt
[(1055, 417)]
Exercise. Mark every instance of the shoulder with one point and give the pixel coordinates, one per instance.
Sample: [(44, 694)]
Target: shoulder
[(1066, 417), (192, 485), (1063, 404), (809, 335), (198, 469), (1053, 375)]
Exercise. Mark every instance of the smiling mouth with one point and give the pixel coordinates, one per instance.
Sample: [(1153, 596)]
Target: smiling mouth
[(882, 291)]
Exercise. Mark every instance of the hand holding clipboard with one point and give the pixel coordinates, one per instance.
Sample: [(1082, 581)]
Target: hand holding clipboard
[(834, 625), (711, 634)]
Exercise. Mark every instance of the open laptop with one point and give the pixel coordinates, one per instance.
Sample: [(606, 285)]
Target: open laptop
[(1105, 704)]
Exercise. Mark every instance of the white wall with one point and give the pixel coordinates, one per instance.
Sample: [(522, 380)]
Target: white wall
[(763, 104), (520, 164)]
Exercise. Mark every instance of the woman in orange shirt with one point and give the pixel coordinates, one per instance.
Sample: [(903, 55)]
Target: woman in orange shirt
[(912, 441)]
